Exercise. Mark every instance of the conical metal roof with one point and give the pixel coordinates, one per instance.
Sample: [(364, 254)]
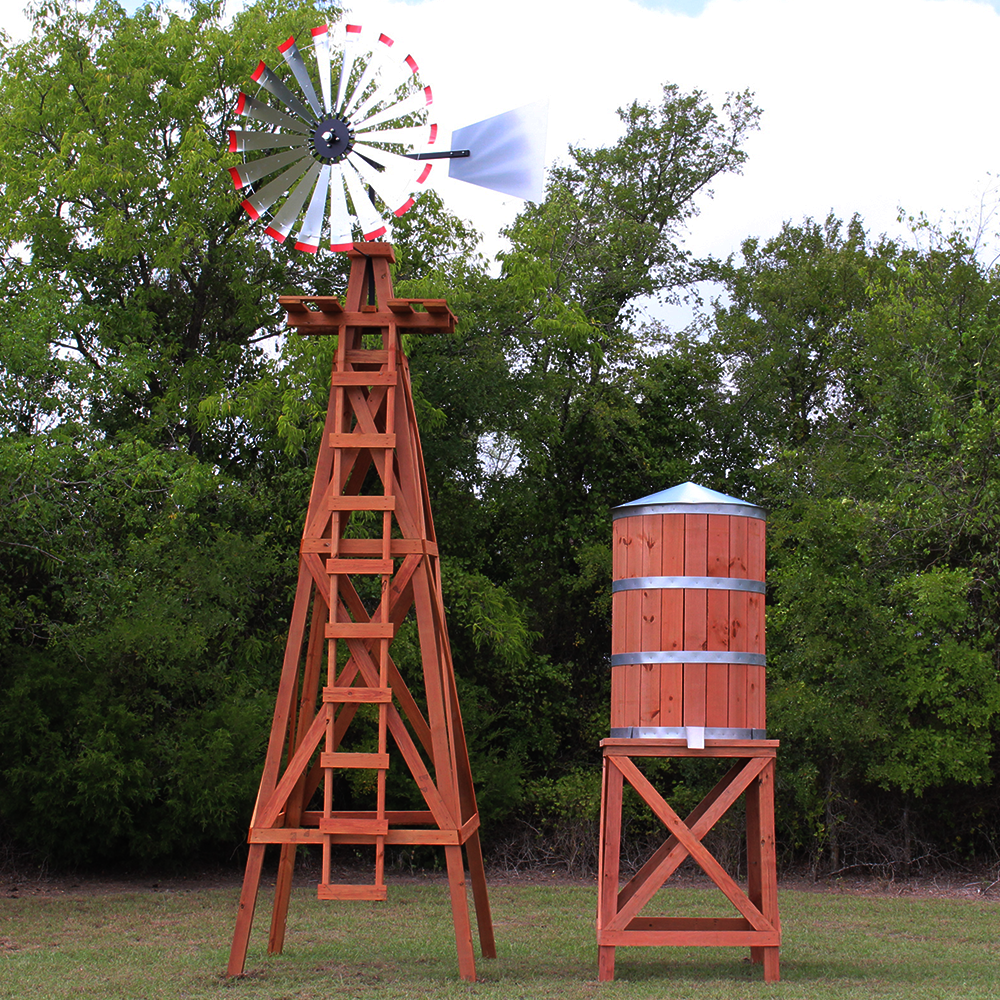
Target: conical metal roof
[(688, 498)]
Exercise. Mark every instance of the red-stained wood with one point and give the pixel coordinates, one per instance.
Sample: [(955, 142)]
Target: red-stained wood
[(620, 920), (370, 430), (738, 718), (608, 869), (650, 565), (739, 563), (716, 695), (695, 694), (756, 713)]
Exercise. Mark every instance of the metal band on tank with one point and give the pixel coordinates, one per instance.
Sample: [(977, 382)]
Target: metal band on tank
[(688, 656), (687, 583), (680, 733), (729, 509)]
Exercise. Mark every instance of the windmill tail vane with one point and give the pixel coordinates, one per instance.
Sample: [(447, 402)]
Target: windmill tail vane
[(348, 156)]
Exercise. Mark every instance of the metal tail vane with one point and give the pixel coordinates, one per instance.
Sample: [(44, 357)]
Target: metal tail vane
[(355, 154)]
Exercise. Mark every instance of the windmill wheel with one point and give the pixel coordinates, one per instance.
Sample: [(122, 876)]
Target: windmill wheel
[(338, 162)]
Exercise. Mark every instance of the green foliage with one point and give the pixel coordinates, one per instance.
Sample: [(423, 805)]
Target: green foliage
[(159, 431), (868, 374)]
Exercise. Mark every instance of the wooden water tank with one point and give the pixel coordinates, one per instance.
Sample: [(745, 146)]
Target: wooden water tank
[(687, 645)]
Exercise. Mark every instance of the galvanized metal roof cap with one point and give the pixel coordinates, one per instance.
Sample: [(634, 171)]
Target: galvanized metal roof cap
[(689, 498)]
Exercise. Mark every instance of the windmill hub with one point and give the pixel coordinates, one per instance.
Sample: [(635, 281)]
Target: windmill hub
[(332, 139)]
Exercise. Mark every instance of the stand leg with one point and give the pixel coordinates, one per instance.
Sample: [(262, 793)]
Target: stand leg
[(460, 913), (762, 877), (609, 861), (477, 875), (282, 891), (244, 919)]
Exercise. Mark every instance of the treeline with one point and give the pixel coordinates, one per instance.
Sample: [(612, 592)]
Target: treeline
[(159, 432)]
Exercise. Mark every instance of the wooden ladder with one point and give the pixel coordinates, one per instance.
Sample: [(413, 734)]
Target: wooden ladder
[(356, 367)]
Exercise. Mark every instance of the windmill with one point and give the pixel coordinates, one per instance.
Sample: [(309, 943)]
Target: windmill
[(332, 165), (344, 160)]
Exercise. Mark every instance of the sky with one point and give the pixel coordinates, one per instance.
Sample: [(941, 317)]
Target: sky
[(869, 106)]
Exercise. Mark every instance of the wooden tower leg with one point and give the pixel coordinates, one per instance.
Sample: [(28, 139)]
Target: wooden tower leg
[(460, 913), (762, 878), (480, 896), (609, 862), (244, 918)]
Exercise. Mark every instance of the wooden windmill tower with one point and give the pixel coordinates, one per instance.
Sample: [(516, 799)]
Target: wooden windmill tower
[(334, 164), (688, 682)]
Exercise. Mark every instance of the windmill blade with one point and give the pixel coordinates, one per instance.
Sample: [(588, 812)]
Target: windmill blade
[(393, 161), (312, 226), (393, 74), (376, 63), (407, 135), (284, 219), (353, 36), (258, 111), (391, 186), (243, 142), (257, 204), (372, 224), (247, 173), (290, 53), (507, 152), (321, 48), (407, 106), (341, 235), (276, 88)]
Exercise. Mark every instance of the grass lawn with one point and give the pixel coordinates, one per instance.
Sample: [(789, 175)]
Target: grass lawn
[(174, 944)]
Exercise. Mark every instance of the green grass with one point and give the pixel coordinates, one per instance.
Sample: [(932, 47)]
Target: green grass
[(175, 945)]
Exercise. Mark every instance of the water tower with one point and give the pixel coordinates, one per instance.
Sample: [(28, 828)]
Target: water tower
[(687, 680)]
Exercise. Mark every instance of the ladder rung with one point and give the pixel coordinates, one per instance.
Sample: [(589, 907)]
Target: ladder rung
[(344, 825), (371, 761), (361, 356), (374, 567), (371, 546), (359, 630), (359, 892), (356, 696), (358, 440), (362, 503), (363, 378)]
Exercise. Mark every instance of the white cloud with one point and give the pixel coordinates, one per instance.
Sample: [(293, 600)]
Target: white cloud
[(868, 104)]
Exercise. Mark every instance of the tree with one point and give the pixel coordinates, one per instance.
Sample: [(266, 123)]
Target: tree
[(867, 371), (578, 414)]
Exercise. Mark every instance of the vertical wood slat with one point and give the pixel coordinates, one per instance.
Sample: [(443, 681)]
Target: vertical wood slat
[(619, 615), (633, 623), (672, 616), (650, 563), (695, 618), (717, 675)]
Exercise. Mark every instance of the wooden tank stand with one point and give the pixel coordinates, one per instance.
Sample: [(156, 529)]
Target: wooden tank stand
[(368, 532), (619, 917)]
